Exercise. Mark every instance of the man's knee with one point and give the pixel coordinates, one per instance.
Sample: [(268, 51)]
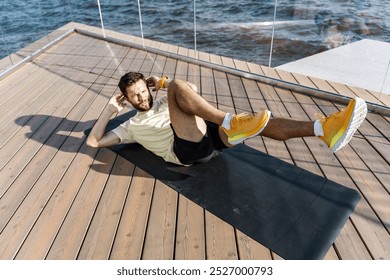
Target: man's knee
[(179, 87)]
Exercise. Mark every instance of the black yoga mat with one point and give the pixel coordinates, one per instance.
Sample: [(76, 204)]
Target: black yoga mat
[(293, 212)]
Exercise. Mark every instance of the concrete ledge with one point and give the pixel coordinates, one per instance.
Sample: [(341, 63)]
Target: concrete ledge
[(362, 64)]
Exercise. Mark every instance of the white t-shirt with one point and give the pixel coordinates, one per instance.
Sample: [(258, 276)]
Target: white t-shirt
[(151, 129)]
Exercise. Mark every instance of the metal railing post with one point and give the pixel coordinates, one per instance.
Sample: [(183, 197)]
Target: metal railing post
[(273, 34), (195, 25), (43, 20), (6, 46), (70, 11), (101, 18), (140, 23)]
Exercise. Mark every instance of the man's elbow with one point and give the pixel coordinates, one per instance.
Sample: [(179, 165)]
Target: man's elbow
[(91, 142)]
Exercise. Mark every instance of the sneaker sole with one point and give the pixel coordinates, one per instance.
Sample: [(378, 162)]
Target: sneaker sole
[(358, 115), (241, 139)]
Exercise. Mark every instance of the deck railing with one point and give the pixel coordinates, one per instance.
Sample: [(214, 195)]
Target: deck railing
[(278, 31)]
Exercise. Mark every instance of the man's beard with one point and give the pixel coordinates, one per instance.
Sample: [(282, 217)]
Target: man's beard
[(142, 109)]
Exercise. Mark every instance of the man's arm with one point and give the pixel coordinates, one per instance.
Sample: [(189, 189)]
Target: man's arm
[(97, 138), (164, 82)]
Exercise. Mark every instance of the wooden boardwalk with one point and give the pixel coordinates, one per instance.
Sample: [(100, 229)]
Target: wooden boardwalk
[(60, 199)]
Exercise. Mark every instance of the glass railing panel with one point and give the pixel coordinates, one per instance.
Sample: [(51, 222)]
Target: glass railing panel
[(342, 41), (305, 27), (27, 26), (239, 29)]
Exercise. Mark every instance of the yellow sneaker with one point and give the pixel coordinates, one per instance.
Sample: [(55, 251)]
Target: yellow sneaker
[(341, 126), (245, 126)]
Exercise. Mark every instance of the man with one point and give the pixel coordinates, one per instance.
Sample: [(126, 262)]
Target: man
[(184, 128)]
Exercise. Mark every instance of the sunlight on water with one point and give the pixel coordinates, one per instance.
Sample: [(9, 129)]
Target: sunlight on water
[(235, 28)]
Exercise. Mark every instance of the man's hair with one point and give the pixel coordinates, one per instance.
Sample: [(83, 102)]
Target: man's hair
[(129, 79)]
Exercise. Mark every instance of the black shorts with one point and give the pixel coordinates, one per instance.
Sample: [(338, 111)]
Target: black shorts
[(189, 152)]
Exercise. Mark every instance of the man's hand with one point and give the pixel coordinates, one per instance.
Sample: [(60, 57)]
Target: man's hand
[(97, 137), (154, 82), (117, 102)]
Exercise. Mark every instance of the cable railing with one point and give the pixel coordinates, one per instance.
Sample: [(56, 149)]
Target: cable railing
[(262, 41)]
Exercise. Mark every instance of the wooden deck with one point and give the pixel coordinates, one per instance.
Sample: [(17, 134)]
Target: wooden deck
[(60, 199)]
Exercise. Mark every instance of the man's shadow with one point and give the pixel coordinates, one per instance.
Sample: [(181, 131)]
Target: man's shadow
[(69, 136), (50, 130)]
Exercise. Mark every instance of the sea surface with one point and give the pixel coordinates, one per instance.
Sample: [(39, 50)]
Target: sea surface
[(240, 29)]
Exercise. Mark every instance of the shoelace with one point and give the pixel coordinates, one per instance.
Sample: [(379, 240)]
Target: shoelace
[(323, 119), (241, 118), (320, 117)]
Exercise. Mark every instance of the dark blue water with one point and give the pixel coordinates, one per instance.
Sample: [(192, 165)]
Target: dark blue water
[(240, 29)]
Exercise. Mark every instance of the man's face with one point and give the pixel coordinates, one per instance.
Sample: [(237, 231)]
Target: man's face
[(139, 96)]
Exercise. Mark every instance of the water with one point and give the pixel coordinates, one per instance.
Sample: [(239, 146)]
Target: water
[(235, 28)]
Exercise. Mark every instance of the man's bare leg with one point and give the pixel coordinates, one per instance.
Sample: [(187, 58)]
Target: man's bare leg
[(188, 110), (281, 129), (284, 129)]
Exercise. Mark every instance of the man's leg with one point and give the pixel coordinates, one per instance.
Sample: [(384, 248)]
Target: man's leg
[(188, 111), (284, 129), (281, 129), (335, 130)]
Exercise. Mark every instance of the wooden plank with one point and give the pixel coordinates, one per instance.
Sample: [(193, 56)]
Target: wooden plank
[(382, 97), (19, 100), (48, 182), (48, 175), (30, 146), (374, 192), (130, 236), (190, 232), (203, 56), (38, 99), (241, 65), (160, 234), (255, 68), (100, 236), (215, 59), (193, 76), (48, 98), (148, 64), (158, 66), (182, 51), (220, 239), (373, 149), (347, 91), (255, 97), (36, 132), (18, 80), (381, 123), (71, 234), (223, 95), (41, 236), (170, 67), (181, 70), (208, 88), (240, 99), (227, 61), (248, 249)]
